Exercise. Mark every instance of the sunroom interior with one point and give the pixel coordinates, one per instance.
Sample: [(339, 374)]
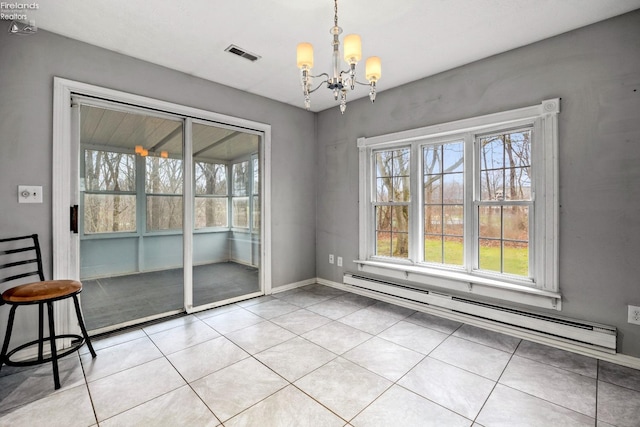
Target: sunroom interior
[(131, 213)]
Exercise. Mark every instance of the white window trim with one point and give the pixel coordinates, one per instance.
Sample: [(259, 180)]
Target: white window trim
[(544, 242)]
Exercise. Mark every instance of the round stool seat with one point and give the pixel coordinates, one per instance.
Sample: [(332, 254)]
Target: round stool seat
[(41, 291)]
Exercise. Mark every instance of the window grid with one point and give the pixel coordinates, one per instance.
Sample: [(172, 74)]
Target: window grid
[(533, 201), (113, 183), (163, 190), (446, 229), (443, 203), (109, 198), (211, 195), (392, 202), (240, 194), (255, 191), (504, 204)]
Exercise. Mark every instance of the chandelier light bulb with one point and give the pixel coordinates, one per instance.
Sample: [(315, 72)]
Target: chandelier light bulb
[(373, 69), (305, 55), (352, 48)]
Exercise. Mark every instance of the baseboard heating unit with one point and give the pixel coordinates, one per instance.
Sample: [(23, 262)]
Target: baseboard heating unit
[(575, 332)]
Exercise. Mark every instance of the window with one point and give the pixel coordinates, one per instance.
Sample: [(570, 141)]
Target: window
[(110, 197), (163, 187), (391, 204), (505, 202), (443, 186), (240, 199), (245, 199), (468, 205), (109, 192), (210, 195), (255, 191)]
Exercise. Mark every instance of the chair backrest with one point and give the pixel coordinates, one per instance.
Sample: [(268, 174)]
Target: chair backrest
[(20, 257)]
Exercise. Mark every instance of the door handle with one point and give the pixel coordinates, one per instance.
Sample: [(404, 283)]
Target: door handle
[(73, 217)]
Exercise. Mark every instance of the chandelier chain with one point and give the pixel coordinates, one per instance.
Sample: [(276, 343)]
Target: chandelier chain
[(335, 13)]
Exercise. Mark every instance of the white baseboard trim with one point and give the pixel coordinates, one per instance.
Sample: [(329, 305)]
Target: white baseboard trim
[(295, 285), (617, 358)]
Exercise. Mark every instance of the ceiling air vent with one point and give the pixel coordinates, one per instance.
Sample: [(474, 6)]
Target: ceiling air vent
[(243, 53)]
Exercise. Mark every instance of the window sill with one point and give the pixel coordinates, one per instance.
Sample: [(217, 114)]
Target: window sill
[(465, 283), (159, 233)]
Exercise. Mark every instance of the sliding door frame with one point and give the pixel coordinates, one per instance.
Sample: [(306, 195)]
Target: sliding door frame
[(66, 245)]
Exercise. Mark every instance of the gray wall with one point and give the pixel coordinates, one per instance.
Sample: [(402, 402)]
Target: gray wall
[(596, 72), (27, 67)]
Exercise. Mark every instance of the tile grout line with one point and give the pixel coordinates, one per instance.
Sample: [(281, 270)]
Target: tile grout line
[(86, 384), (147, 335), (187, 383), (124, 370), (497, 381), (289, 383), (326, 363), (597, 389), (566, 371), (423, 359)]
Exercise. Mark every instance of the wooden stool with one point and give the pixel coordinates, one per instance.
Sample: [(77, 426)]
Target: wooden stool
[(41, 293), (19, 257)]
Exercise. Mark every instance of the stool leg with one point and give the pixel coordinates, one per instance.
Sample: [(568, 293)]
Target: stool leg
[(82, 327), (7, 337), (40, 331), (54, 353)]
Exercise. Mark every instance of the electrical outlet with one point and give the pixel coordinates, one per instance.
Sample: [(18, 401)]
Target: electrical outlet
[(634, 314), (330, 258), (339, 261)]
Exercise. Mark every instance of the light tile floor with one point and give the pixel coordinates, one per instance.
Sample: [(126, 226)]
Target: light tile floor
[(316, 356)]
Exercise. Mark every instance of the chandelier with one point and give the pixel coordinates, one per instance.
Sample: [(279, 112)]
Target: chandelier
[(338, 81)]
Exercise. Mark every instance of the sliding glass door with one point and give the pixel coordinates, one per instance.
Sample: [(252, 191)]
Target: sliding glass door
[(224, 238), (139, 257), (131, 203)]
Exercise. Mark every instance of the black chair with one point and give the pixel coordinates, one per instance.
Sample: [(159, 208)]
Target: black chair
[(17, 258)]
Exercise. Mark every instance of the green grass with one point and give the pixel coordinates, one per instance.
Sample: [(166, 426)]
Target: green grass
[(516, 260)]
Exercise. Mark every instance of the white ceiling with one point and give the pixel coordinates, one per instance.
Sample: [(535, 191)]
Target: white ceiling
[(414, 38)]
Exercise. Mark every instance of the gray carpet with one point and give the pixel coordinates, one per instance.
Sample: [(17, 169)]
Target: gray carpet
[(113, 300)]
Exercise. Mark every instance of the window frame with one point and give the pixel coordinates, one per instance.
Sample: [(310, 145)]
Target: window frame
[(226, 196), (246, 194), (542, 289), (478, 202), (251, 192), (255, 193), (392, 203), (83, 192), (146, 194), (439, 141)]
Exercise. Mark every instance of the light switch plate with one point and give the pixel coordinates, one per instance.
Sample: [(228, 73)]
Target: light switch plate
[(29, 194)]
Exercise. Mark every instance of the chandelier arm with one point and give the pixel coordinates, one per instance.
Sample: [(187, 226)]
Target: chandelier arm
[(348, 72), (318, 87), (321, 75), (363, 84)]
